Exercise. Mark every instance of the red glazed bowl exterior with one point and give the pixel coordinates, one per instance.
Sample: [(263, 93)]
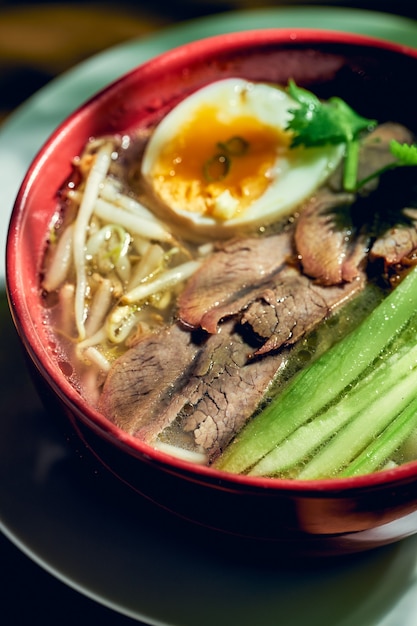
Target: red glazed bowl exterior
[(316, 517)]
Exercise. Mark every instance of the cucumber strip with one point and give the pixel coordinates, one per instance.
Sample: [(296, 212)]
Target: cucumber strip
[(319, 384), (380, 450), (359, 433), (312, 436)]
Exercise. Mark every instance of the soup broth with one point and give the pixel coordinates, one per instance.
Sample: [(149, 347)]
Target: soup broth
[(183, 317)]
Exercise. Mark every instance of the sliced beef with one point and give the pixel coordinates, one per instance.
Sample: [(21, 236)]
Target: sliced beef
[(225, 389), (325, 239), (141, 383), (239, 301), (209, 388), (375, 150), (226, 279), (398, 245), (203, 377), (374, 154), (208, 385), (329, 248), (295, 305)]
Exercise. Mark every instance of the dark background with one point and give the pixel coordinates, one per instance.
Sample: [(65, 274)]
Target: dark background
[(41, 39)]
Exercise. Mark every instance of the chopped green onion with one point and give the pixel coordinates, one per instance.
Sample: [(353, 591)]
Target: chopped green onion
[(235, 146), (216, 168)]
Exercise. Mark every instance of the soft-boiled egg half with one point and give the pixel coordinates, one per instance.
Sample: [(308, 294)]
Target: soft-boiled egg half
[(221, 159)]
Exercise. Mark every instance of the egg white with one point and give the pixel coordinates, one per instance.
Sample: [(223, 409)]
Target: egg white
[(295, 175)]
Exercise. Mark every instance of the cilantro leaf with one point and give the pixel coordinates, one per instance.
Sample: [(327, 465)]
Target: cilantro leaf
[(405, 153), (317, 123), (405, 156)]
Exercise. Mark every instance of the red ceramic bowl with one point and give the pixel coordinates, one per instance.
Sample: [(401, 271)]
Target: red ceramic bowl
[(317, 517)]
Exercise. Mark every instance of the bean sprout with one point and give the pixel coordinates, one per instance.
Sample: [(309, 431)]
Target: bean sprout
[(168, 279), (123, 268), (97, 358), (99, 307), (66, 301), (91, 192), (110, 193), (113, 268), (140, 244), (181, 453), (60, 265), (133, 223), (151, 261), (109, 247), (120, 322), (94, 340), (105, 234)]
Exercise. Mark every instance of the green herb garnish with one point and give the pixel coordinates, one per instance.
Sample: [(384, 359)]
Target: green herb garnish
[(405, 155), (317, 123), (235, 146), (217, 167)]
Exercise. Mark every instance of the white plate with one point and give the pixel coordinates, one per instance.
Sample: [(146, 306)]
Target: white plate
[(88, 530)]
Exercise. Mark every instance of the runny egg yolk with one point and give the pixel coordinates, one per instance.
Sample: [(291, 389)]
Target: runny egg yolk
[(217, 165)]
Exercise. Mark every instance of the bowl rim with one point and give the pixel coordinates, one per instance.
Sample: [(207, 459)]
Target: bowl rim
[(45, 364)]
